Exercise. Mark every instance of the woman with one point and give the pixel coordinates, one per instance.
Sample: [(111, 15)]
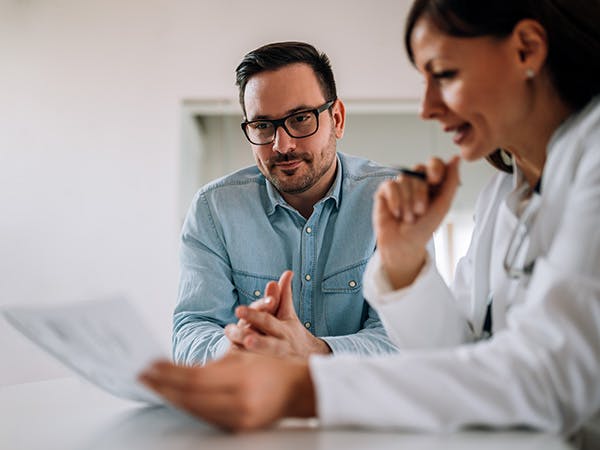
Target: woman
[(521, 76)]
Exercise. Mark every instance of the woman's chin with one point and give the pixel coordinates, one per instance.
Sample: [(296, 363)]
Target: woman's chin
[(469, 154)]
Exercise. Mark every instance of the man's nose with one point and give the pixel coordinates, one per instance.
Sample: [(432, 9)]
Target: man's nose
[(283, 142)]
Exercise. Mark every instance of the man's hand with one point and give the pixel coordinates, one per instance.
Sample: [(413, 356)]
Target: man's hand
[(270, 326), (240, 391)]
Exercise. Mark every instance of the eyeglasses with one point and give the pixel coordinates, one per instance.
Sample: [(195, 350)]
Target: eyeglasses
[(516, 263), (300, 124)]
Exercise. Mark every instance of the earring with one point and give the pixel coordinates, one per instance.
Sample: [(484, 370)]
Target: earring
[(530, 73)]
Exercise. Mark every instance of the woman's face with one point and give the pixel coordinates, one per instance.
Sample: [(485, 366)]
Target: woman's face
[(475, 87)]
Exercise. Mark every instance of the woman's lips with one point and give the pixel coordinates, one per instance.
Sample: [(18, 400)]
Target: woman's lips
[(460, 132)]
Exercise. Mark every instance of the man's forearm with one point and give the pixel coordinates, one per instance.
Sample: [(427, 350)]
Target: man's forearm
[(198, 343), (368, 341)]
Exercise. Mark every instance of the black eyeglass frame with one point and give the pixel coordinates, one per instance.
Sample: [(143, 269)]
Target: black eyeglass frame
[(281, 122)]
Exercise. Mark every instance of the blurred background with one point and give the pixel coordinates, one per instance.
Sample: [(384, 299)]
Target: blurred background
[(113, 113)]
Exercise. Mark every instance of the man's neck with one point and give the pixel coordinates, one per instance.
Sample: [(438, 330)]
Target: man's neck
[(305, 202)]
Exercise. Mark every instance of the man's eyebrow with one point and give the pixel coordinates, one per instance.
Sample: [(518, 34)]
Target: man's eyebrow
[(285, 114)]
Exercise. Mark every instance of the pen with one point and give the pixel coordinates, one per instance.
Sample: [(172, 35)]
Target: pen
[(412, 173)]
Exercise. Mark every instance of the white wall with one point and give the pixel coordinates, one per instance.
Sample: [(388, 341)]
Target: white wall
[(90, 100)]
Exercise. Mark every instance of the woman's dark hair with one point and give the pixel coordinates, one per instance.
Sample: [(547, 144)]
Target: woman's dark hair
[(277, 55), (572, 28)]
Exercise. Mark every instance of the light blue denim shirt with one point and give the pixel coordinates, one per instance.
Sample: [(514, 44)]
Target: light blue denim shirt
[(240, 234)]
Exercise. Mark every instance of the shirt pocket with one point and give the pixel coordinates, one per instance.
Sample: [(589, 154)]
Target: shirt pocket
[(250, 287), (345, 280), (344, 306)]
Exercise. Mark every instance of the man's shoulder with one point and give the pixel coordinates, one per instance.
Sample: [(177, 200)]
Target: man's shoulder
[(242, 187), (248, 177), (356, 168)]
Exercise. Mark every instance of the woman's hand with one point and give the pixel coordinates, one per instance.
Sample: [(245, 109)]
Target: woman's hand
[(407, 211), (241, 391)]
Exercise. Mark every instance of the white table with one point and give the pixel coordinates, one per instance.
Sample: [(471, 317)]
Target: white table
[(69, 414)]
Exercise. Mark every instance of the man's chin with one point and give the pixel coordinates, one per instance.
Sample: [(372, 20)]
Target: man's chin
[(295, 190), (292, 188)]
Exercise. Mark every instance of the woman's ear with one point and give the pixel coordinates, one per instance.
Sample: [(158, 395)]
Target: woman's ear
[(338, 113), (531, 43)]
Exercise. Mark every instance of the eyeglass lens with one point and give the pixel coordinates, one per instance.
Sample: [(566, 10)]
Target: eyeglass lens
[(297, 125)]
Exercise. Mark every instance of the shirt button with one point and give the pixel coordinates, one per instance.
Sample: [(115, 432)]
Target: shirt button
[(257, 293), (352, 283), (307, 324), (307, 277), (308, 230)]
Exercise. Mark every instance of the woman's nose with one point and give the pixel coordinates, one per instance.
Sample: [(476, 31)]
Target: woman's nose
[(432, 105)]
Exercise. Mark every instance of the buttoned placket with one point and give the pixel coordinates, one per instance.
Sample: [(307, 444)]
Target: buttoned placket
[(309, 243)]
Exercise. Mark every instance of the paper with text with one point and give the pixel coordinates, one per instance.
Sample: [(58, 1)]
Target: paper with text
[(105, 341)]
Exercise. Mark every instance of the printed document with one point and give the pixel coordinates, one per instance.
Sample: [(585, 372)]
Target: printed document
[(104, 341)]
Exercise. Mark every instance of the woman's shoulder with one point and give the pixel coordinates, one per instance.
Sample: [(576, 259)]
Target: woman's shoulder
[(574, 151), (581, 129), (590, 116), (590, 129)]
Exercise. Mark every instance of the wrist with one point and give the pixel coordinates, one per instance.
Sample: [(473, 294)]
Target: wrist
[(314, 346), (323, 347), (401, 270), (302, 397)]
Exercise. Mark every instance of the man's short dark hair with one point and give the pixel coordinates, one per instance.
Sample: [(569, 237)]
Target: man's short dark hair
[(280, 54)]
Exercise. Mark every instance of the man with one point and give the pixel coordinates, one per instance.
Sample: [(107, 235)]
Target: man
[(302, 207)]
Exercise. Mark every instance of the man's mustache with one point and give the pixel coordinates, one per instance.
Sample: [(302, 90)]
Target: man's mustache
[(287, 157)]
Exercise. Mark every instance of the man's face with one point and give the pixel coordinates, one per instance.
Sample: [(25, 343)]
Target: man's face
[(294, 165)]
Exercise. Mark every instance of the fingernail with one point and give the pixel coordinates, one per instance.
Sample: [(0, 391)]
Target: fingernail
[(267, 300), (232, 331), (420, 207), (241, 312)]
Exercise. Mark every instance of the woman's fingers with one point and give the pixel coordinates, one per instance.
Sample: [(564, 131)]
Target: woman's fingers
[(404, 199), (445, 192), (420, 192), (389, 200), (436, 171), (409, 197)]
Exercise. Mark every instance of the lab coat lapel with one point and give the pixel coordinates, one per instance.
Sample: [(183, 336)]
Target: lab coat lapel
[(484, 234)]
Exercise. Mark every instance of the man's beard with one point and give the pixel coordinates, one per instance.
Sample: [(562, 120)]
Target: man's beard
[(288, 183)]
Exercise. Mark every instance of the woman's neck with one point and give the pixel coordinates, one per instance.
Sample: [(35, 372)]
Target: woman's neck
[(546, 114)]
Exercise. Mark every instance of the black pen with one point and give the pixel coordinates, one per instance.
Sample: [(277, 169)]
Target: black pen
[(412, 173)]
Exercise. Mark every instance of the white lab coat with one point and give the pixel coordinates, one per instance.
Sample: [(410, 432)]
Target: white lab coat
[(541, 368)]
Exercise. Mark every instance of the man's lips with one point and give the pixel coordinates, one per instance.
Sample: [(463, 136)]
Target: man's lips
[(288, 165)]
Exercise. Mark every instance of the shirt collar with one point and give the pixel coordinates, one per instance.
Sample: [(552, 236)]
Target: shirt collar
[(276, 199)]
